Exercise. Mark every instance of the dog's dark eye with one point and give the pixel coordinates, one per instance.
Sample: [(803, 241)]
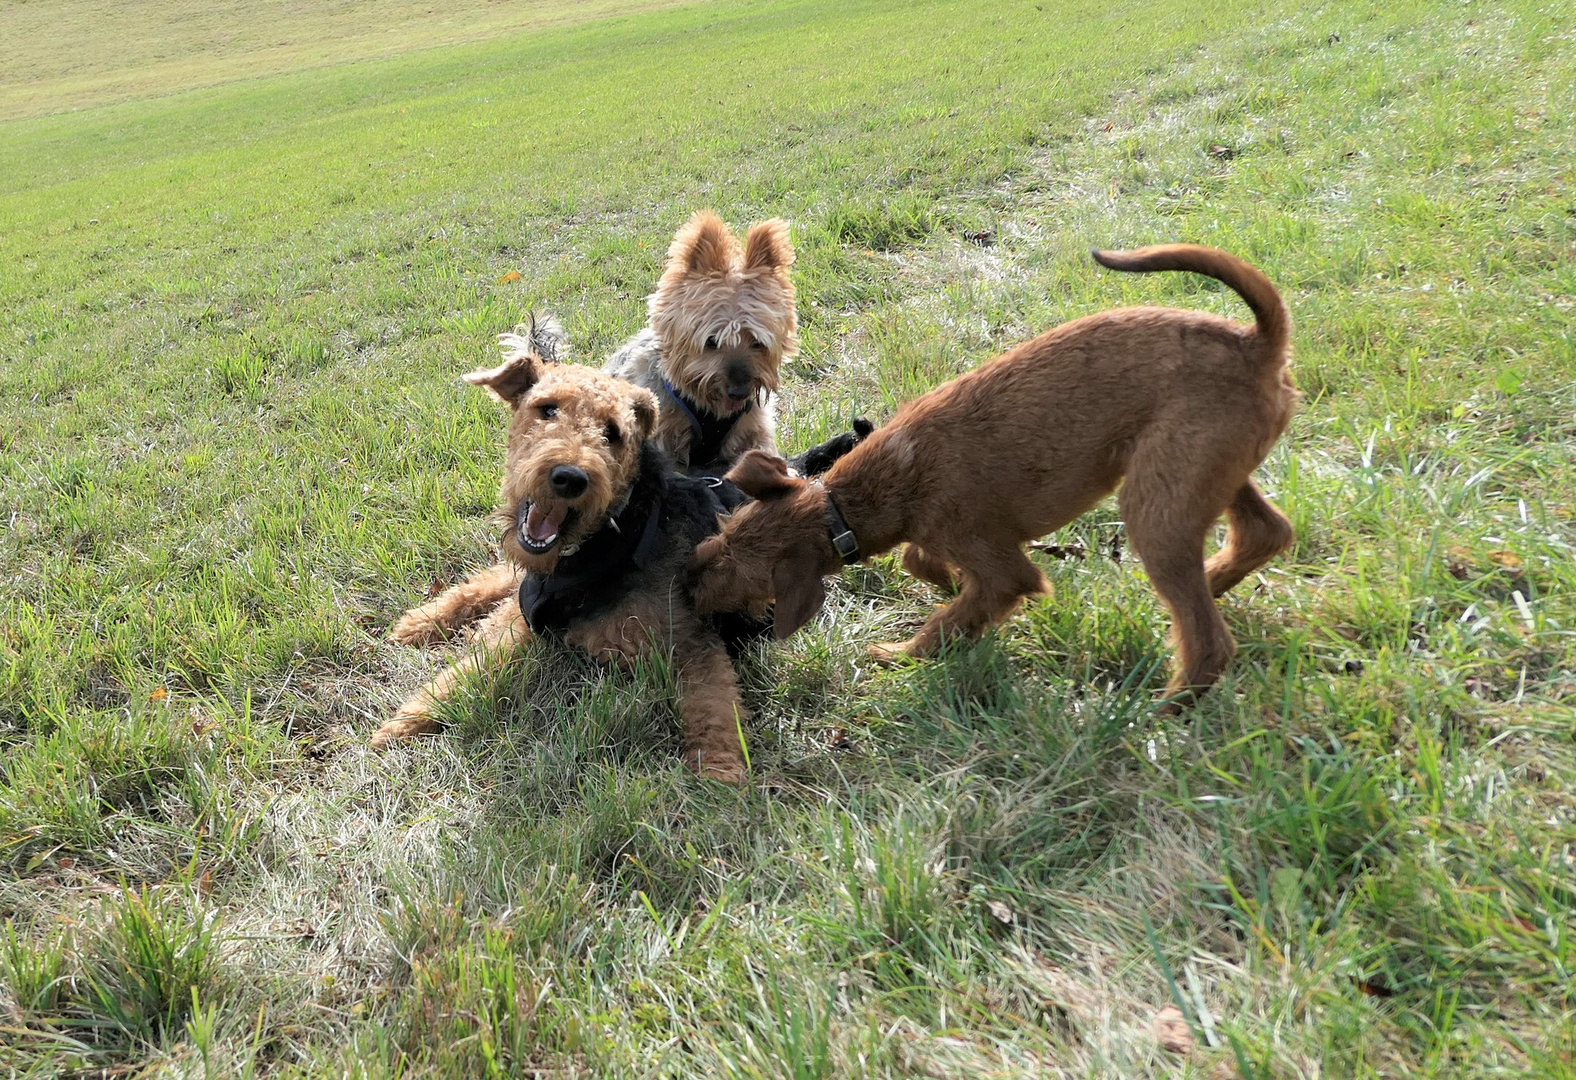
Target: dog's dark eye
[(549, 410), (758, 346), (711, 344), (614, 436)]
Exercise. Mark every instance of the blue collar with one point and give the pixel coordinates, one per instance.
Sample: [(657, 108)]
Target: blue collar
[(707, 431)]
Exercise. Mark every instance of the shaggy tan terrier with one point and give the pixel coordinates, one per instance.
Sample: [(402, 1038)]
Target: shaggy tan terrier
[(598, 534), (721, 323), (1179, 407)]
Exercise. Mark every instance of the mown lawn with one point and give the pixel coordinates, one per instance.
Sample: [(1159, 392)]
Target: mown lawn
[(233, 448)]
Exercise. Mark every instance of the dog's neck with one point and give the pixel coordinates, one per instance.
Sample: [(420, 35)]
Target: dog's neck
[(873, 488), (593, 569)]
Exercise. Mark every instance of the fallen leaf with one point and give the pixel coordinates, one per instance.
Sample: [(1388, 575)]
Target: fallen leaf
[(1374, 988), (1000, 912), (159, 694), (1221, 151), (513, 275), (1508, 559), (1460, 562), (1172, 1032)]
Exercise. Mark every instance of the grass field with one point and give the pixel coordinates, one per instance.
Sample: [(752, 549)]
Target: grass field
[(73, 54), (233, 448)]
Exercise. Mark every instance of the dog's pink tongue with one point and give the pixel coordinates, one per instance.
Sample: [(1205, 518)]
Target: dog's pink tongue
[(542, 525)]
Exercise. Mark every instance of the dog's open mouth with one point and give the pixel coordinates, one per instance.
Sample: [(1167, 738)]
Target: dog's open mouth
[(540, 528)]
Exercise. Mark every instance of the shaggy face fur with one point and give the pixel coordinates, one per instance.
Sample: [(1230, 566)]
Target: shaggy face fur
[(721, 323), (1179, 407), (573, 448)]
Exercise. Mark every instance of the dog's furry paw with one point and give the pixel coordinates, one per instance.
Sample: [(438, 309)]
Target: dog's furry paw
[(418, 628), (890, 652), (402, 726), (727, 770), (821, 457)]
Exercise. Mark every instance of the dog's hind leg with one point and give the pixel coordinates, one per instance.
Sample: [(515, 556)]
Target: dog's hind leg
[(995, 580), (1256, 532), (497, 638), (1166, 525), (712, 712), (456, 607), (925, 566)]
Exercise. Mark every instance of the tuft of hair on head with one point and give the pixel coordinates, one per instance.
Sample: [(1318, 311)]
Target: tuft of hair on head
[(703, 245), (767, 247), (544, 335), (538, 341)]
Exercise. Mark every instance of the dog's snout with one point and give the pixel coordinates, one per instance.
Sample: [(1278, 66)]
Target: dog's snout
[(741, 382), (568, 481)]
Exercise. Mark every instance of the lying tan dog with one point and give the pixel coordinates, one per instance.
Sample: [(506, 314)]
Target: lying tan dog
[(1179, 407)]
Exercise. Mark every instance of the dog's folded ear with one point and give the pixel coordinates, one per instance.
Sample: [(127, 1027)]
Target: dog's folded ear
[(703, 246), (521, 370), (767, 246), (761, 475), (799, 592), (538, 341)]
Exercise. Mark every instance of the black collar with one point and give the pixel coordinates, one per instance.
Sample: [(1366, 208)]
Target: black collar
[(591, 573), (708, 431), (843, 539)]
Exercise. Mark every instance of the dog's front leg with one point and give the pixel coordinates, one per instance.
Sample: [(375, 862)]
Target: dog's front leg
[(995, 581), (457, 607), (500, 635), (712, 712)]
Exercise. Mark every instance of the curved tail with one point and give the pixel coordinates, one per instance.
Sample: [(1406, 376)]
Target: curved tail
[(1246, 280)]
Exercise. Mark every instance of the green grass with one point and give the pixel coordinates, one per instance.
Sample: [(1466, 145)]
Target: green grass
[(234, 448), (74, 54)]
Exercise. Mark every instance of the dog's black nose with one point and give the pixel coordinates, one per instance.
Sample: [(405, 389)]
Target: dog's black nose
[(741, 383), (567, 481)]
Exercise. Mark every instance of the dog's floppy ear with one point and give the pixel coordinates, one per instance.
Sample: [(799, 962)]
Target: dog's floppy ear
[(521, 370), (538, 341), (645, 406), (703, 246), (799, 593), (762, 476), (767, 247), (707, 552)]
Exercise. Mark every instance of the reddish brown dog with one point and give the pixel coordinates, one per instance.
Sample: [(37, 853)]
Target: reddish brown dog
[(1179, 407)]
